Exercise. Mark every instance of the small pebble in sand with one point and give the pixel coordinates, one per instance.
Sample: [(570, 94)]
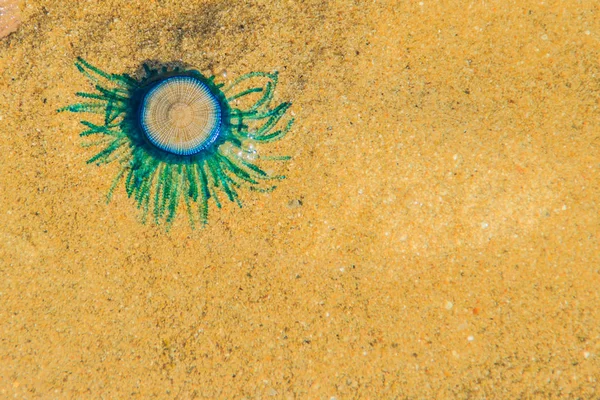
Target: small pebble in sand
[(470, 338), (295, 203), (10, 17), (449, 305)]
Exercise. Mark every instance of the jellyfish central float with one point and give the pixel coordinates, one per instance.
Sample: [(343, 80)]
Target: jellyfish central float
[(181, 115)]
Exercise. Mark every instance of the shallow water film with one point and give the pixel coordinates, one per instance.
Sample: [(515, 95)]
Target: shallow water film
[(435, 236)]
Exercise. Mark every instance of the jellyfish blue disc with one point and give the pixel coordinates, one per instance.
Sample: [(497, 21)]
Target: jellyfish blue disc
[(180, 115)]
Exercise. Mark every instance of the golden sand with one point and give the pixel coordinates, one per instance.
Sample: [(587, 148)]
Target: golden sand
[(437, 235)]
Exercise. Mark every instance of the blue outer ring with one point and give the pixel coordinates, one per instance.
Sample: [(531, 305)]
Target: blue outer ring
[(203, 145)]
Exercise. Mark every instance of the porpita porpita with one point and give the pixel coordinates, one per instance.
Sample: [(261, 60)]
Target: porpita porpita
[(180, 138)]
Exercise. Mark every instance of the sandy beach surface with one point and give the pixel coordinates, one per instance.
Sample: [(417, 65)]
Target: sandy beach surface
[(436, 236)]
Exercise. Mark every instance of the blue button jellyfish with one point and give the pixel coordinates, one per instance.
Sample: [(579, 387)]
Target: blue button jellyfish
[(180, 138)]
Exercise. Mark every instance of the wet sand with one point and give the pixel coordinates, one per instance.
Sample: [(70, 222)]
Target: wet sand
[(437, 235)]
